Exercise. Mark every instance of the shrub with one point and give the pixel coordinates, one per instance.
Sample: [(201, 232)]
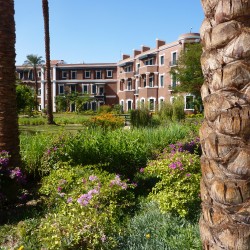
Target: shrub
[(140, 117), (166, 112), (179, 182), (105, 121), (86, 208), (104, 109), (150, 229), (178, 109), (32, 148), (11, 180)]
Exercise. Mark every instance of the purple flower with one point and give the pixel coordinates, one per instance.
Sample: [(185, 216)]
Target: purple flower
[(173, 165), (141, 170), (93, 177), (84, 199), (69, 200), (84, 180), (188, 175), (59, 189), (117, 181), (62, 181), (18, 175), (103, 238)]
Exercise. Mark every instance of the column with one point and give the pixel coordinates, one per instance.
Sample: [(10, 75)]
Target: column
[(147, 80), (54, 89), (42, 88)]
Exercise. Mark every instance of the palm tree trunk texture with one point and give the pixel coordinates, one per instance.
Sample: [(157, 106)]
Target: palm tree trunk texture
[(47, 55), (225, 133), (9, 136)]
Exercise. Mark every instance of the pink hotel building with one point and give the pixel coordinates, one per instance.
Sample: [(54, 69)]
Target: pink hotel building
[(135, 81)]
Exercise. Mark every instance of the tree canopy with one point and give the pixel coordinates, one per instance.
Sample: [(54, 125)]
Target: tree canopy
[(188, 71), (25, 99), (33, 60)]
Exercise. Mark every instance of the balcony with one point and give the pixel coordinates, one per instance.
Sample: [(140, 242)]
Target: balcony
[(171, 87), (173, 63), (148, 69), (124, 75)]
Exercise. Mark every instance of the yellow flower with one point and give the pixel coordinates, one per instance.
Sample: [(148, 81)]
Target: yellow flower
[(21, 248), (147, 236)]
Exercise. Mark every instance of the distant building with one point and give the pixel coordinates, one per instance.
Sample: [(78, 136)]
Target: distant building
[(135, 81)]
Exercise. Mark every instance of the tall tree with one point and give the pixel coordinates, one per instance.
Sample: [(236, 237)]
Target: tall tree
[(45, 5), (9, 136), (188, 70), (34, 61), (225, 133)]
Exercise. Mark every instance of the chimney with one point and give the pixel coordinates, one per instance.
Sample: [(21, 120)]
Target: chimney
[(124, 56), (144, 48), (159, 43), (136, 52)]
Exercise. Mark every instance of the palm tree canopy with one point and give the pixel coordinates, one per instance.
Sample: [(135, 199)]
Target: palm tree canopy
[(33, 60)]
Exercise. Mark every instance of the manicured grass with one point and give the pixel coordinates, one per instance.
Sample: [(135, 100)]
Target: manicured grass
[(29, 129)]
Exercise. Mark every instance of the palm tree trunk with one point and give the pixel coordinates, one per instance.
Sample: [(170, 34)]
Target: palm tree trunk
[(9, 136), (47, 54), (225, 133)]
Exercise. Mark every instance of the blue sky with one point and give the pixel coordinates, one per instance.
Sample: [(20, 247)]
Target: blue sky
[(101, 30)]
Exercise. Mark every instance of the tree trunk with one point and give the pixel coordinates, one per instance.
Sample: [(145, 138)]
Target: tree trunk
[(9, 136), (225, 133), (47, 54)]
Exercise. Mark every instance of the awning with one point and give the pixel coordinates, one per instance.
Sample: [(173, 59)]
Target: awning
[(142, 57), (125, 64)]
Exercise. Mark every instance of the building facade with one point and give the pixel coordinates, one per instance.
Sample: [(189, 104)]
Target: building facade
[(139, 80), (144, 78), (98, 81)]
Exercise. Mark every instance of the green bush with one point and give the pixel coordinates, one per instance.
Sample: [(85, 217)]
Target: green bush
[(104, 109), (149, 229), (123, 151), (178, 109), (86, 209), (32, 148), (179, 183), (140, 117), (166, 112)]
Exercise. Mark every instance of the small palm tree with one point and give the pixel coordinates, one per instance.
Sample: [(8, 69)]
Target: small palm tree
[(45, 5), (34, 61), (9, 136)]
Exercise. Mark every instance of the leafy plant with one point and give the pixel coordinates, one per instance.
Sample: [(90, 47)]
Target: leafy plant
[(178, 109), (179, 182), (86, 207), (140, 117), (150, 229)]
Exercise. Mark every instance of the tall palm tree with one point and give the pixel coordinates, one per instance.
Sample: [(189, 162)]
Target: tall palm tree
[(47, 54), (225, 133), (34, 61), (9, 137)]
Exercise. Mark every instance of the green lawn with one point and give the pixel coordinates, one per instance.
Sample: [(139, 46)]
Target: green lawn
[(30, 129)]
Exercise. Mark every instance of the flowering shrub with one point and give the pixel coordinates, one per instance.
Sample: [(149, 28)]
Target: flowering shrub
[(10, 179), (179, 182), (105, 121), (191, 147), (86, 209), (55, 153)]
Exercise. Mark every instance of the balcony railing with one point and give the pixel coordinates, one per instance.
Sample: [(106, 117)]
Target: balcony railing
[(148, 69), (173, 63), (127, 74)]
